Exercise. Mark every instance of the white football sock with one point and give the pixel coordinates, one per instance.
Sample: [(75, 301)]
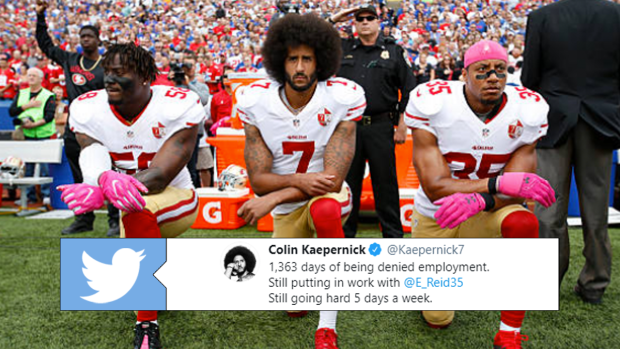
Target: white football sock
[(504, 327), (327, 319)]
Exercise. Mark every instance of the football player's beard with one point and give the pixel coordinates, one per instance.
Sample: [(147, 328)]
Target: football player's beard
[(303, 88), (491, 101)]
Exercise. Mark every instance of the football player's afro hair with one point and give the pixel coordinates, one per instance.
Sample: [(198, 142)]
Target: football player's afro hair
[(250, 260), (294, 30), (134, 58)]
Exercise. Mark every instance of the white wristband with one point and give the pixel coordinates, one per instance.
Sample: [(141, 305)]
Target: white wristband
[(94, 160)]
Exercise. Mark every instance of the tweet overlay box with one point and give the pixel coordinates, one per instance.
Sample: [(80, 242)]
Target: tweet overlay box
[(310, 274), (363, 274), (111, 274)]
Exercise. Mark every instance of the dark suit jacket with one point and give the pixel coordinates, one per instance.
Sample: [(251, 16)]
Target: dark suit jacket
[(572, 58)]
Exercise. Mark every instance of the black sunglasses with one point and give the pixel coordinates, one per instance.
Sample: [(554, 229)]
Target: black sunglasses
[(368, 18)]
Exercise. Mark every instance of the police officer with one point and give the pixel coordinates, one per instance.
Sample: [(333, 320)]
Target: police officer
[(380, 66)]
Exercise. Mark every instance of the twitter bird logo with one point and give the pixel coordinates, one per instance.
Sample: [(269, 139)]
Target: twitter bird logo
[(112, 281)]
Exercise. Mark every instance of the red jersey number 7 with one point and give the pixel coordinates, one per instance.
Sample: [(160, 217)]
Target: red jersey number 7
[(307, 149)]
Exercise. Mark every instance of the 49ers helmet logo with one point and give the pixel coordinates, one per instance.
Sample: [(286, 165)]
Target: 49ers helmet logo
[(78, 79), (515, 129), (325, 117)]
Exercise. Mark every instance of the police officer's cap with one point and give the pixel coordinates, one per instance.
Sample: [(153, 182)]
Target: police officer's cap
[(365, 9)]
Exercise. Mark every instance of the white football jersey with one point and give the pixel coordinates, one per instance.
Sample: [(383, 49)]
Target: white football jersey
[(132, 146), (474, 149), (297, 142)]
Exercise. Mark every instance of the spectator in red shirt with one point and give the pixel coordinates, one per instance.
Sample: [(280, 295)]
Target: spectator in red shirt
[(246, 65), (57, 79), (42, 65), (21, 79), (212, 75), (7, 79), (17, 61), (221, 104)]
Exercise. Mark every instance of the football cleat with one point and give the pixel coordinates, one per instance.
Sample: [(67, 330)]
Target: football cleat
[(147, 336), (232, 178), (509, 340), (325, 338), (301, 313)]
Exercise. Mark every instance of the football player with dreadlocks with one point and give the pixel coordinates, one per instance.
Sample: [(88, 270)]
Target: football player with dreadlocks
[(136, 140)]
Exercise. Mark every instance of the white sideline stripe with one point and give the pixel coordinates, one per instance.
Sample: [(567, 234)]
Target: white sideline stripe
[(614, 218), (55, 214)]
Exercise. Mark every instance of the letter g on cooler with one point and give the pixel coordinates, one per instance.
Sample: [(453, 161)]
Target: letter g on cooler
[(405, 215), (212, 212)]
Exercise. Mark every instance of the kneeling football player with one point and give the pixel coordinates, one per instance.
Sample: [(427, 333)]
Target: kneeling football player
[(136, 140)]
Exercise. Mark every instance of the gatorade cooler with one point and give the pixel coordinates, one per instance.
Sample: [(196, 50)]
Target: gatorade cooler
[(218, 209), (406, 207), (265, 224), (229, 145), (237, 80)]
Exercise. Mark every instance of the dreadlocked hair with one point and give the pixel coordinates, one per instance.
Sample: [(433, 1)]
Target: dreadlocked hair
[(134, 58)]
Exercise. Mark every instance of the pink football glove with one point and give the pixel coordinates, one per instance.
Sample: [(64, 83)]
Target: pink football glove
[(123, 191), (81, 197), (526, 185), (457, 208), (223, 122)]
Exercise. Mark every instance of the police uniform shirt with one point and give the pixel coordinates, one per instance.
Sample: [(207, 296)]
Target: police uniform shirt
[(381, 69)]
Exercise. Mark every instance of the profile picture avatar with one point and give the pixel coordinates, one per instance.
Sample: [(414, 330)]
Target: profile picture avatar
[(239, 264)]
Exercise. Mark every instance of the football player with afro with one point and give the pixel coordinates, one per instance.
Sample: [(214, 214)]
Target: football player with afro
[(300, 137)]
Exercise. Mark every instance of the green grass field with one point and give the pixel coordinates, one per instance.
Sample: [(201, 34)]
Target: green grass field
[(30, 316)]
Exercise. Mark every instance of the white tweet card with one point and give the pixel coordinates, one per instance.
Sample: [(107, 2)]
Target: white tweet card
[(309, 274)]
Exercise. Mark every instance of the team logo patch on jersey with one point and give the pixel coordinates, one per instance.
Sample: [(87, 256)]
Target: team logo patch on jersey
[(130, 134), (159, 131), (515, 129), (325, 117), (296, 123), (485, 132), (78, 79)]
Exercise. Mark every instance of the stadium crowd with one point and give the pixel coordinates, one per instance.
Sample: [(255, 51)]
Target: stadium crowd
[(230, 33)]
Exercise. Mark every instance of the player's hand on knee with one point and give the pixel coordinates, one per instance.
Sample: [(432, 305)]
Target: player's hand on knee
[(526, 185), (316, 184), (123, 191), (81, 198), (457, 208), (254, 209)]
